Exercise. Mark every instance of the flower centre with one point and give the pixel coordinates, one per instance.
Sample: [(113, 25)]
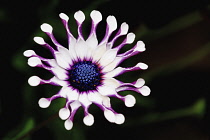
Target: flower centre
[(85, 76)]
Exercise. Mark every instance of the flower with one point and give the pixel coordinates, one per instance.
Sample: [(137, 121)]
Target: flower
[(86, 70)]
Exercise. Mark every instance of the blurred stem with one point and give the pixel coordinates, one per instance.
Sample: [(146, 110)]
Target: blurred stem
[(177, 24), (196, 110), (181, 63), (51, 118)]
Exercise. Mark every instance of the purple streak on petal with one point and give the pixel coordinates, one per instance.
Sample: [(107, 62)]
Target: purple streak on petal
[(54, 81), (80, 30), (54, 40), (86, 112), (50, 48), (54, 97), (73, 111), (124, 88), (69, 34), (106, 36), (124, 70), (128, 54), (121, 45), (93, 28), (103, 108), (118, 34)]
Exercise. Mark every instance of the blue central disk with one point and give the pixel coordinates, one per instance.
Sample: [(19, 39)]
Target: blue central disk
[(85, 76)]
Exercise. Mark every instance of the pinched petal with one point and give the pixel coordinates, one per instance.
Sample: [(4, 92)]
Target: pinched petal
[(71, 39), (80, 17), (48, 30), (128, 40), (45, 102), (111, 26), (121, 70), (122, 31), (145, 90), (35, 81), (92, 40), (40, 41)]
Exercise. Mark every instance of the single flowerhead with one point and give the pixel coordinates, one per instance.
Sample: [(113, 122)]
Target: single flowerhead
[(86, 69)]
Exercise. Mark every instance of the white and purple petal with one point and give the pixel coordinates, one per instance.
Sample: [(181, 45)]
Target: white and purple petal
[(86, 70)]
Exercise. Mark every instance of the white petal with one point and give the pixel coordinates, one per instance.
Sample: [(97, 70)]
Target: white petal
[(29, 53), (139, 83), (106, 101), (46, 28), (34, 61), (142, 66), (108, 57), (145, 90), (39, 40), (119, 119), (64, 113), (109, 115), (112, 22), (56, 81), (130, 100), (44, 103), (79, 16), (34, 81), (88, 120), (68, 124), (123, 31), (124, 28), (140, 46), (63, 16), (96, 16), (130, 38)]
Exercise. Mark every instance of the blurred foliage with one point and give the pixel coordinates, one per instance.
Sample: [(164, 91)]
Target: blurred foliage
[(23, 129), (34, 120)]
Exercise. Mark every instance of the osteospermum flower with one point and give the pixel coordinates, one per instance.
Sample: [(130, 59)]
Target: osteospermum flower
[(86, 69)]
